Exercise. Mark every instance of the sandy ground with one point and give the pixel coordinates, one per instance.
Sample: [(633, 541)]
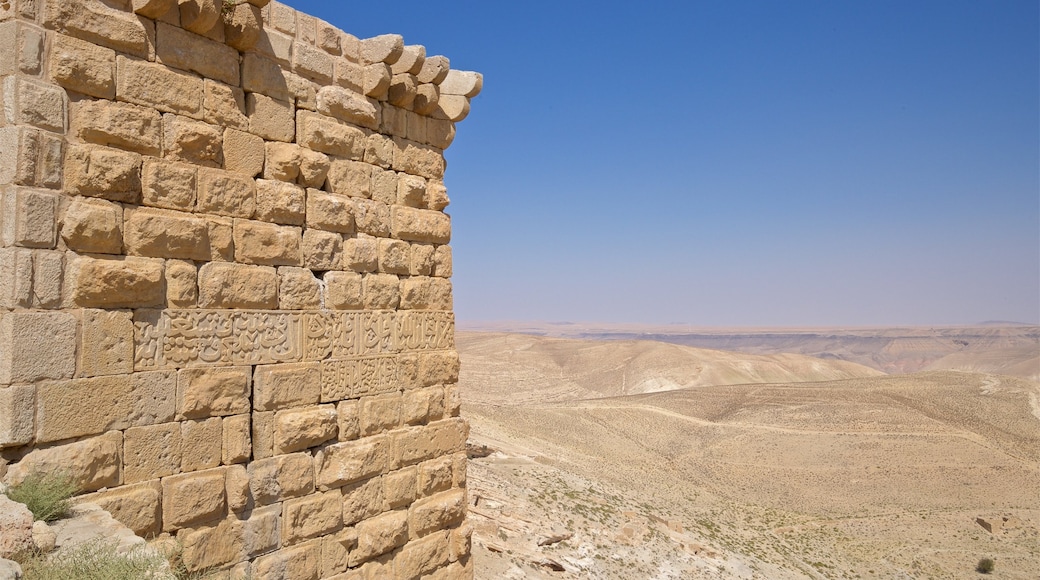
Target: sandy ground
[(869, 477)]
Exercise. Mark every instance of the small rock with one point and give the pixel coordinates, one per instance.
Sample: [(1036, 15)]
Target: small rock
[(43, 537), (16, 525), (10, 570)]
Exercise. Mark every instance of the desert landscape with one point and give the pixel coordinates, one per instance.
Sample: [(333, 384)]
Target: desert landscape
[(594, 458)]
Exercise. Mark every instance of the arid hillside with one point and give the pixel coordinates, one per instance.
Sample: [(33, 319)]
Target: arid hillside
[(864, 477)]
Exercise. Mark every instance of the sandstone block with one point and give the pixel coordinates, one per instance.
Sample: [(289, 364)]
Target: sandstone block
[(380, 413), (440, 133), (242, 26), (416, 127), (224, 105), (213, 391), (290, 385), (461, 541), (225, 193), (236, 485), (153, 398), (201, 444), (179, 48), (93, 226), (327, 135), (29, 218), (24, 43), (437, 195), (298, 289), (350, 75), (211, 546), (422, 556), (313, 63), (435, 475), (411, 191), (452, 401), (263, 75), (380, 291), (426, 97), (434, 70), (348, 417), (168, 185), (301, 562), (386, 48), (464, 83), (200, 16), (420, 225), (362, 500), (151, 452), (321, 250), (17, 410), (121, 125), (442, 263), (37, 345), (437, 512), (394, 256), (261, 531), (117, 282), (237, 445), (384, 186), (330, 212), (410, 61), (372, 217), (106, 343), (47, 279), (451, 107), (221, 238), (193, 498), (19, 155), (31, 102), (347, 105), (152, 8), (91, 463), (99, 23), (243, 152), (399, 487), (153, 85), (267, 244), (418, 159), (192, 141), (182, 286), (335, 552), (361, 254), (134, 506), (375, 80), (343, 290), (223, 285), (270, 118), (82, 66), (279, 478), (311, 516), (161, 233), (16, 274), (263, 435), (279, 202), (402, 90), (417, 444), (96, 171), (353, 178), (299, 429), (344, 463), (439, 368), (415, 407), (379, 535), (420, 259)]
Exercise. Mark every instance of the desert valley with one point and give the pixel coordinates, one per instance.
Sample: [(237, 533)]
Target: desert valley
[(817, 453)]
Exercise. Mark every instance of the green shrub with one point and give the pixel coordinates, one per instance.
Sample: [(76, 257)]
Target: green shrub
[(99, 560), (985, 566), (45, 494)]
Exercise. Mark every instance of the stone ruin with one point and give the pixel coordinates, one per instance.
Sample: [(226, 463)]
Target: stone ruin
[(225, 297)]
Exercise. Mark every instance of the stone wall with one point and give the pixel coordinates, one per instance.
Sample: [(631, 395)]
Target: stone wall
[(225, 298)]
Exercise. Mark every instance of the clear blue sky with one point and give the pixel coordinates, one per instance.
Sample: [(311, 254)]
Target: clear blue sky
[(739, 163)]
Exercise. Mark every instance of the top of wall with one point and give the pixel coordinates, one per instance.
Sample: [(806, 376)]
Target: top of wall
[(198, 36)]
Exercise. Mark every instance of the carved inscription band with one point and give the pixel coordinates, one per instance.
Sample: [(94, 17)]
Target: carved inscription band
[(183, 338)]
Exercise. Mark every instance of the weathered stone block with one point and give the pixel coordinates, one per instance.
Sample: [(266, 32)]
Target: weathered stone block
[(434, 70), (372, 217), (380, 535), (375, 79), (134, 506), (299, 429), (96, 171), (242, 26), (201, 444), (152, 8), (211, 546), (154, 85), (179, 48), (349, 75), (168, 185), (420, 225), (37, 345), (47, 278), (17, 415), (182, 287), (237, 444), (465, 83), (161, 233), (288, 385), (380, 291), (82, 66), (415, 407), (298, 289), (301, 562), (311, 516), (411, 191), (236, 482), (100, 23), (343, 290), (200, 16), (442, 262), (29, 218), (106, 343), (263, 75), (347, 105), (16, 277), (263, 435), (279, 478), (418, 159), (243, 152), (193, 498), (151, 452), (121, 125), (221, 238), (402, 90), (192, 141), (24, 43), (91, 463), (399, 487), (417, 444), (394, 256), (224, 105), (93, 226), (225, 193), (361, 254), (422, 556), (328, 135), (270, 118), (437, 512), (344, 463), (435, 476), (213, 391), (267, 244), (117, 282), (261, 531), (330, 211), (386, 48), (420, 259), (348, 416), (353, 178), (362, 500), (19, 155), (28, 101), (313, 63), (321, 250), (281, 203), (335, 552), (380, 413)]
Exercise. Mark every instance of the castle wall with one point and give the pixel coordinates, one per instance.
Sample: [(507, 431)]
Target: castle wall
[(225, 297)]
